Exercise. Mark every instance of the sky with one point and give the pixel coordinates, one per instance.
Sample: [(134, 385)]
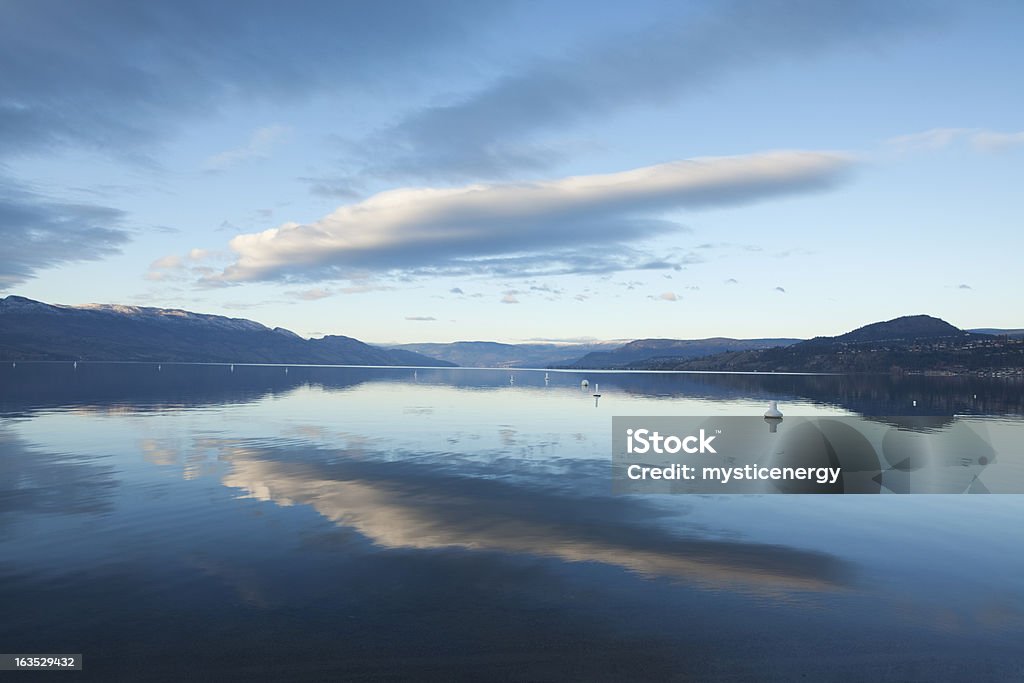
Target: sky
[(429, 171)]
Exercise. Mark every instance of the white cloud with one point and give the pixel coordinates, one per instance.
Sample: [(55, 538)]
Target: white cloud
[(993, 141), (468, 227), (169, 262), (258, 147), (668, 296), (310, 294), (421, 318), (364, 288), (509, 299), (940, 138), (934, 138)]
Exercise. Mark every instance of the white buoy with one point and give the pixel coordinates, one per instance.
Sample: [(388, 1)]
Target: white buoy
[(159, 367), (546, 377), (773, 412), (597, 390), (75, 365), (286, 371), (915, 404), (232, 367), (584, 384), (511, 379)]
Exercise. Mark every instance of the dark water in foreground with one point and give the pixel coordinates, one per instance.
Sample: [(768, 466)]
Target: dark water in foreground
[(339, 523)]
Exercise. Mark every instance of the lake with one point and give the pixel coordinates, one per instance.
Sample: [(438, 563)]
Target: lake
[(330, 523)]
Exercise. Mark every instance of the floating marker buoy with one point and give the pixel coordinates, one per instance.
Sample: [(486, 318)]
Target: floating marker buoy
[(75, 365), (773, 412), (584, 384), (232, 368)]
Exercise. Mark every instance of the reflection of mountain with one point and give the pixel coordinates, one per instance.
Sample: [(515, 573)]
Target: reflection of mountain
[(864, 394), (31, 330), (398, 505), (142, 386), (149, 386)]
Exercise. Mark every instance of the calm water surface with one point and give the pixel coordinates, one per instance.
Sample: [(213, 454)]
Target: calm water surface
[(337, 523)]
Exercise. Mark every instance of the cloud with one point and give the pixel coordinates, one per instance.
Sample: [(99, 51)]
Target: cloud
[(996, 142), (332, 188), (780, 289), (465, 229), (509, 298), (170, 262), (597, 260), (980, 139), (364, 288), (935, 138), (121, 78), (547, 289), (565, 340), (964, 287), (456, 290), (491, 132), (732, 281), (39, 232), (668, 296), (421, 318), (313, 294), (260, 143), (175, 267)]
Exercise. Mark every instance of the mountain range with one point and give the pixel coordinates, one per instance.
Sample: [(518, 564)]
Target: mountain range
[(32, 330), (683, 349), (487, 354), (918, 343)]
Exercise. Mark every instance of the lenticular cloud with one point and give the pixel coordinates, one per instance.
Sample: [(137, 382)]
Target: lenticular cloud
[(440, 227)]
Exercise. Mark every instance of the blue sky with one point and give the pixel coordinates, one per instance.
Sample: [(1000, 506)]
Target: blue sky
[(435, 171)]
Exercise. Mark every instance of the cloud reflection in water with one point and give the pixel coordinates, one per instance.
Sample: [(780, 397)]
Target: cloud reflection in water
[(410, 505)]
